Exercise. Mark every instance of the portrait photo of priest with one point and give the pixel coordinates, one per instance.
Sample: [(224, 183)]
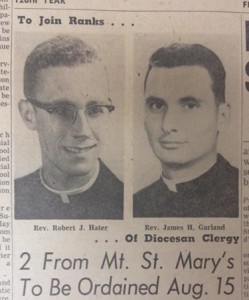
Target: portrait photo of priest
[(68, 106), (186, 111)]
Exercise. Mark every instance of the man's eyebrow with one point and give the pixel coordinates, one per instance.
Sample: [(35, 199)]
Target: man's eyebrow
[(61, 102), (190, 99), (153, 98), (71, 103), (93, 102), (96, 102)]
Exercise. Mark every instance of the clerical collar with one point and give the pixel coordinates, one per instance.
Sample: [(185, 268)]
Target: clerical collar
[(171, 183), (64, 194)]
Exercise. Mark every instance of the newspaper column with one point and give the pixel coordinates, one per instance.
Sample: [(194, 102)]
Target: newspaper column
[(5, 148)]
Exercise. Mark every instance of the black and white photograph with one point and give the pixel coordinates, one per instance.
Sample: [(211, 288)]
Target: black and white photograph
[(186, 132), (68, 126)]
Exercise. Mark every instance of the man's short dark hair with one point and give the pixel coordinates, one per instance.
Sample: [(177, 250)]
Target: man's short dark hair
[(177, 55), (62, 50)]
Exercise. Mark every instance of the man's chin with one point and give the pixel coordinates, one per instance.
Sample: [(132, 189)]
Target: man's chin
[(183, 163), (80, 171), (175, 162)]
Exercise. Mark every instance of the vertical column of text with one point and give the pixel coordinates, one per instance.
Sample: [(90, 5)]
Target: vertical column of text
[(5, 140), (245, 161)]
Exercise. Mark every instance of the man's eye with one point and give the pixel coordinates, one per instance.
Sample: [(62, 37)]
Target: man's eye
[(156, 105), (95, 111), (66, 113), (190, 105)]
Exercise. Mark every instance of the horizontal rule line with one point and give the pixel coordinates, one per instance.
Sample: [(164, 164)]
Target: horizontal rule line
[(135, 11)]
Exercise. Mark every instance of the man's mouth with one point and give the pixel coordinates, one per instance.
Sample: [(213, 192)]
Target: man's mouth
[(79, 149), (171, 144)]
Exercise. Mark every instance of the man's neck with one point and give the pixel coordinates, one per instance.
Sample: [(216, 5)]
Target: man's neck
[(61, 181), (185, 172)]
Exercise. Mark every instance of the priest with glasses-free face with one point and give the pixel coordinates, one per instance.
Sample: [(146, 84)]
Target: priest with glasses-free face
[(67, 103), (185, 111)]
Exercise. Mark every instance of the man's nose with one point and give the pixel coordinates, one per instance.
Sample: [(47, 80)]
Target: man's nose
[(170, 120), (81, 125)]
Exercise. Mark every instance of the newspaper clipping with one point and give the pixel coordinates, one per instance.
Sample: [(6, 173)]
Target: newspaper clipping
[(124, 149)]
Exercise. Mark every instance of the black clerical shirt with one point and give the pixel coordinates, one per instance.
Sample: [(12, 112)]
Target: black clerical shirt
[(213, 194)]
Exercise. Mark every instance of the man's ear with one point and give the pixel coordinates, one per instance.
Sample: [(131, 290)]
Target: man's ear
[(27, 113), (224, 114)]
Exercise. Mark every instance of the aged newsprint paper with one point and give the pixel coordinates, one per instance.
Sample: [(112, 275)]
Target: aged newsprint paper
[(124, 149)]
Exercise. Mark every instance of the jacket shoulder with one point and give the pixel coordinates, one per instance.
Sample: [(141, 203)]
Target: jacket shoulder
[(27, 181), (107, 176), (144, 200)]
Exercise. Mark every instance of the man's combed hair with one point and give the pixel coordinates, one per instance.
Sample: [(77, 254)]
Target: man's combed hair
[(62, 50), (177, 55)]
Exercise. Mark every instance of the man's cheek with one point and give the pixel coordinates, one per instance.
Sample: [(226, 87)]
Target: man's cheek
[(148, 126), (153, 131)]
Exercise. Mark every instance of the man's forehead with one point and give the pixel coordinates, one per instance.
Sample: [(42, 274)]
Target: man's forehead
[(61, 71), (69, 81), (178, 79)]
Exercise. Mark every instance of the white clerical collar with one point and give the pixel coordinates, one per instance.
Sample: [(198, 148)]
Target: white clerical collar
[(64, 194), (171, 183)]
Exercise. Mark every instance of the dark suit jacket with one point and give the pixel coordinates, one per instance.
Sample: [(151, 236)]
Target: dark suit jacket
[(213, 194), (103, 200)]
